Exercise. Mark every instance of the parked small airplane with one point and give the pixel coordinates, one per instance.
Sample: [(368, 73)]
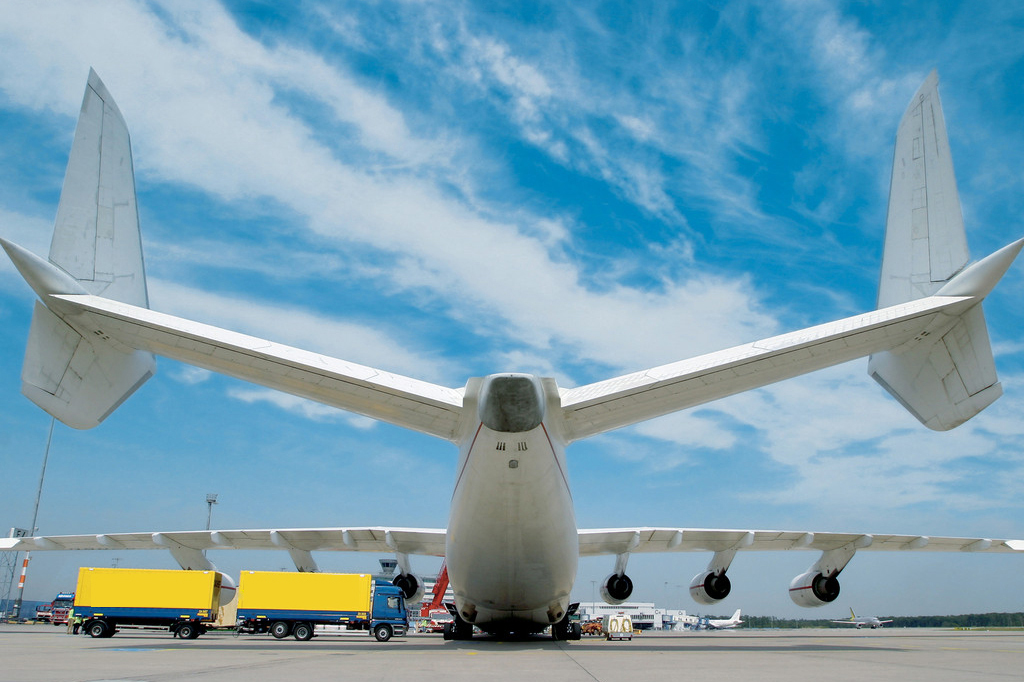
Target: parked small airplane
[(724, 624), (512, 545), (861, 621)]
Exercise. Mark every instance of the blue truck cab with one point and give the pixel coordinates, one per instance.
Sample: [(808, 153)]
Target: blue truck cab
[(388, 609)]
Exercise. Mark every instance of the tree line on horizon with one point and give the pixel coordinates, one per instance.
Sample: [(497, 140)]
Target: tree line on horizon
[(967, 620)]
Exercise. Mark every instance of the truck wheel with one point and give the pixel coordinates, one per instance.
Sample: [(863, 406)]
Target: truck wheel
[(280, 629), (97, 628), (188, 631), (303, 632), (382, 632)]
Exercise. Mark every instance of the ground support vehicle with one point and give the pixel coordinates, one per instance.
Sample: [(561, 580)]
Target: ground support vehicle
[(617, 626), (294, 604), (435, 621), (43, 612), (108, 599), (56, 612), (60, 608)]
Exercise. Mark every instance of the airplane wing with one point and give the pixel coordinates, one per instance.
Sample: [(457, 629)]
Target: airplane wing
[(625, 400), (400, 400), (187, 547), (628, 540)]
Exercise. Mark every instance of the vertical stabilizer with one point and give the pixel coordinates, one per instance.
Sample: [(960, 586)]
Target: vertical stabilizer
[(925, 243), (96, 234), (78, 374), (944, 378)]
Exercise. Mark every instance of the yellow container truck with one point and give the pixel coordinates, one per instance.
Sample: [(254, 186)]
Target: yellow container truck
[(182, 601), (294, 603)]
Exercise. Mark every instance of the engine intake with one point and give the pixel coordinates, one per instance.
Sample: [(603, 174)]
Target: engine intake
[(709, 587), (813, 589), (411, 586), (616, 589)]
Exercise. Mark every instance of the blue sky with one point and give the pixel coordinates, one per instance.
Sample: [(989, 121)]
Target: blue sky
[(450, 189)]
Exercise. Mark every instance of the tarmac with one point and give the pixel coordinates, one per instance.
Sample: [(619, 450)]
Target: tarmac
[(41, 652)]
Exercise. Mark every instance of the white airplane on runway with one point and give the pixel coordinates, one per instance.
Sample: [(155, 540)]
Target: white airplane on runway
[(725, 623), (861, 621), (512, 544)]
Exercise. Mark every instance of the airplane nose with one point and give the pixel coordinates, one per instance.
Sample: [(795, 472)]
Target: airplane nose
[(511, 403)]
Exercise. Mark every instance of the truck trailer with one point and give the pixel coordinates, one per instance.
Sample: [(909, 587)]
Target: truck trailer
[(182, 601), (294, 603)]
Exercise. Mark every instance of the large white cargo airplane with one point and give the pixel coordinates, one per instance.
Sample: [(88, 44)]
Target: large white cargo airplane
[(512, 544)]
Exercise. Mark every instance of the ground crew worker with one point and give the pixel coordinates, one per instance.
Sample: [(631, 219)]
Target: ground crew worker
[(74, 622)]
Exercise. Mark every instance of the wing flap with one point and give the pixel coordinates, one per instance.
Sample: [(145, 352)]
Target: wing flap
[(400, 400)]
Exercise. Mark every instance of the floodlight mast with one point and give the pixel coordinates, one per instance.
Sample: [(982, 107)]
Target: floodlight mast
[(16, 611), (211, 499)]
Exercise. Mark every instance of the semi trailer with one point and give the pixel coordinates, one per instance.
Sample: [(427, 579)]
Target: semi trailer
[(294, 604), (185, 602)]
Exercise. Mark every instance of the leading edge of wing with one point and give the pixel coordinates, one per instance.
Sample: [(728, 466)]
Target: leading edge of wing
[(411, 403), (422, 541), (624, 540), (614, 403)]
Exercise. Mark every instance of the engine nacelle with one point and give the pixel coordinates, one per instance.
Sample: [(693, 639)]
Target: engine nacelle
[(813, 589), (228, 590), (616, 589), (709, 587), (411, 586)]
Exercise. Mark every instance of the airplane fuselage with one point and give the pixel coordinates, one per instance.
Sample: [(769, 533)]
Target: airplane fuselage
[(512, 547)]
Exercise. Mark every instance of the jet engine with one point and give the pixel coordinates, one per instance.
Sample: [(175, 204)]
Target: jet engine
[(616, 589), (813, 589), (411, 586), (228, 589), (710, 587)]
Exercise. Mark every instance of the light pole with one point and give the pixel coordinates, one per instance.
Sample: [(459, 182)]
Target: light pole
[(211, 499), (32, 529)]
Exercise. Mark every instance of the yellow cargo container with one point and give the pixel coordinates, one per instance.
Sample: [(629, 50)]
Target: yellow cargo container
[(110, 598), (294, 603), (280, 591), (148, 588)]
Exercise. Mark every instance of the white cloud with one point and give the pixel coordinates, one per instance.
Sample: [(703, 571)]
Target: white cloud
[(193, 375), (296, 327)]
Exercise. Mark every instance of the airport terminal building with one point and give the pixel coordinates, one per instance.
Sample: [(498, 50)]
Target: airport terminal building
[(645, 615)]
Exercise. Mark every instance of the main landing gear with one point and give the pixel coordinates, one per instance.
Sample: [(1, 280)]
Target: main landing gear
[(458, 629)]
